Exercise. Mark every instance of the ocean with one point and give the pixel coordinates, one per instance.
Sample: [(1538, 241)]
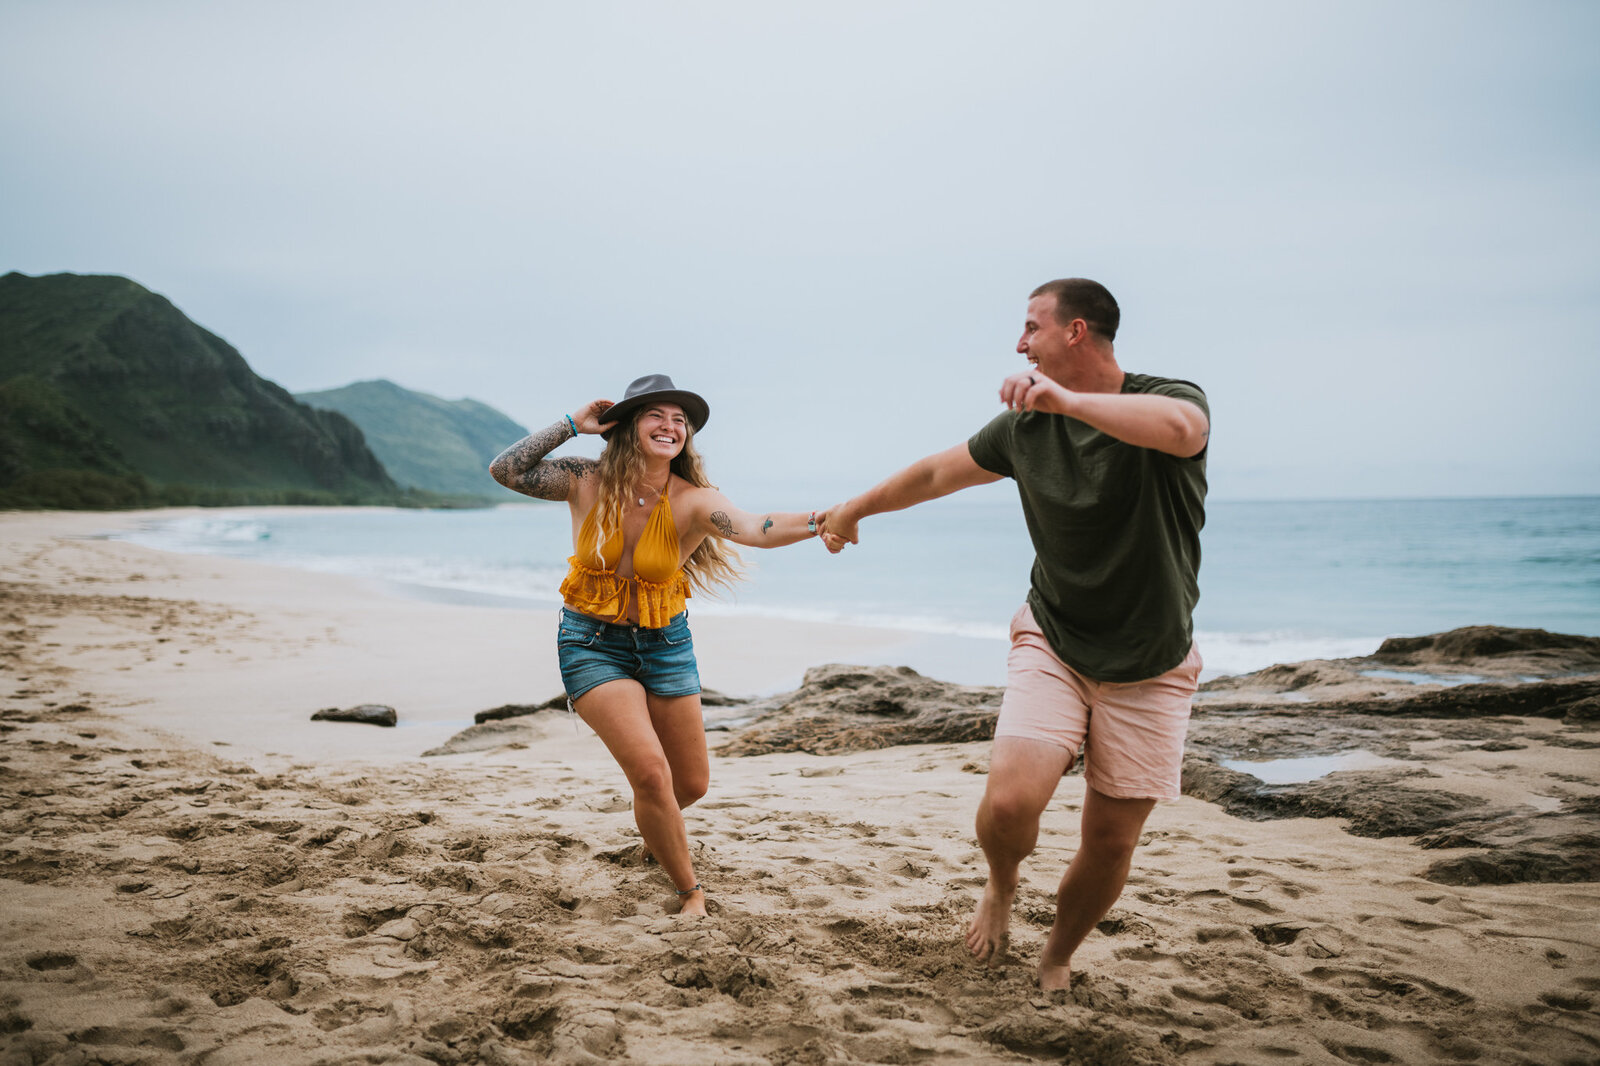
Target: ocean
[(1280, 581)]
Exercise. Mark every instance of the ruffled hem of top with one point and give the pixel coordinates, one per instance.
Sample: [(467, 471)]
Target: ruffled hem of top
[(603, 594)]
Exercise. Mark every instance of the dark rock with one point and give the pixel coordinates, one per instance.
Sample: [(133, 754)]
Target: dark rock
[(1531, 699), (369, 713), (1542, 861), (840, 708), (1374, 803), (1462, 646), (517, 710), (1583, 711), (1446, 672), (1543, 846), (708, 698), (1291, 677)]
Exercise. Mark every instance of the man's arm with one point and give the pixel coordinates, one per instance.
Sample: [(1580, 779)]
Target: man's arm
[(1164, 423), (926, 479)]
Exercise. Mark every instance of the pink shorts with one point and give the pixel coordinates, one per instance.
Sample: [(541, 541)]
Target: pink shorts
[(1130, 735)]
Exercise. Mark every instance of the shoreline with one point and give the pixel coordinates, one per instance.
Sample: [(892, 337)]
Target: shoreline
[(298, 641), (464, 561)]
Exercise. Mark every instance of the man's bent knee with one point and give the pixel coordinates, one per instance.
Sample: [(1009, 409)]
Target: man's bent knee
[(1023, 775), (1004, 806)]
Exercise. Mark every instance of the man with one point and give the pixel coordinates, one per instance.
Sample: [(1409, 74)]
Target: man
[(1111, 470)]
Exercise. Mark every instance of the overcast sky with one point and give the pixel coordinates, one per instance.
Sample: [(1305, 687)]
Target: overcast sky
[(1371, 231)]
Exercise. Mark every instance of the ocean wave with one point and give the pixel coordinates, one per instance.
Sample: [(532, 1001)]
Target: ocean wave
[(910, 623), (1227, 653), (201, 535)]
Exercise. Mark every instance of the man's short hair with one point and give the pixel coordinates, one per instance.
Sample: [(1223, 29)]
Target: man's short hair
[(1085, 299)]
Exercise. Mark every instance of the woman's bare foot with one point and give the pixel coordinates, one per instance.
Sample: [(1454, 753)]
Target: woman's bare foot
[(986, 935), (694, 902)]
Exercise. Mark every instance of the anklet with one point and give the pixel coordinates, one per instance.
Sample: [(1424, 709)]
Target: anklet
[(688, 891)]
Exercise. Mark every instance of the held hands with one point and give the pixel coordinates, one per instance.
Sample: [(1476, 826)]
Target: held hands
[(838, 528), (587, 418), (1029, 390)]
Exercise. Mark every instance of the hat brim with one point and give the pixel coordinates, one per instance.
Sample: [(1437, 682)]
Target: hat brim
[(693, 405)]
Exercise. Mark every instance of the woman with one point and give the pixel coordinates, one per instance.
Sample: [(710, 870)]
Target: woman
[(646, 527)]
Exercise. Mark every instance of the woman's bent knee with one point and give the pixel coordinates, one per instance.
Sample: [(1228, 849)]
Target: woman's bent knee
[(690, 791), (652, 780)]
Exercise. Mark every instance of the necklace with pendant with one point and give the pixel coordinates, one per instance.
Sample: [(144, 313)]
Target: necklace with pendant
[(652, 489)]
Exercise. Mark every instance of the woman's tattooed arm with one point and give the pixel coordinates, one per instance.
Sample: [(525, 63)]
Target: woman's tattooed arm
[(523, 467)]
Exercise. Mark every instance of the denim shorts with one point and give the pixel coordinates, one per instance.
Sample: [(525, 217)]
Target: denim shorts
[(592, 652)]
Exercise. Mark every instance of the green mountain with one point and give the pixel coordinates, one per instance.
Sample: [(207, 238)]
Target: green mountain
[(111, 397), (438, 445)]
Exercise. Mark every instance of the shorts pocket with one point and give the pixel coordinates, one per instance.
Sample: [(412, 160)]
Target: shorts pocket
[(569, 636), (676, 634)]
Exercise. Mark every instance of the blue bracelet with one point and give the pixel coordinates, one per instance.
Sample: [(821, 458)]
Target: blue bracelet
[(572, 424)]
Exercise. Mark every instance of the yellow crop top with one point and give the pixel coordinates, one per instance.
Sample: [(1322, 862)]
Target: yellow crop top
[(661, 585)]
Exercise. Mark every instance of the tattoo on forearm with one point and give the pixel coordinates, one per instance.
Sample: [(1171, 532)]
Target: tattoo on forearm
[(720, 520), (524, 468), (766, 526)]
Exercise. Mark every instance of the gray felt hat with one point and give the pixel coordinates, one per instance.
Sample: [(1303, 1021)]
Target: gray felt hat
[(654, 388)]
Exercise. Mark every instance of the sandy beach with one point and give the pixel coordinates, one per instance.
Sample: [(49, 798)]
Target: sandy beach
[(193, 871)]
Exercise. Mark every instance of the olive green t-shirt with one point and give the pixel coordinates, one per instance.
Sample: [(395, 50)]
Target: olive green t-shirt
[(1116, 535)]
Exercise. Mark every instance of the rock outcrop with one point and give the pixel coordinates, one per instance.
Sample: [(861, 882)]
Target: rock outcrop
[(841, 708)]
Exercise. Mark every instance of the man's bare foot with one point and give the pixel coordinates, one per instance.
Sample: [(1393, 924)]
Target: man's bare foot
[(694, 903), (1055, 961), (986, 935), (1054, 976)]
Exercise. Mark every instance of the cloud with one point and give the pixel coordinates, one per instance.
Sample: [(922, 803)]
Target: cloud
[(1369, 231)]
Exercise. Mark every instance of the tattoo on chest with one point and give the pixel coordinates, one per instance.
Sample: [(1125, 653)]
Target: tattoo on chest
[(720, 520)]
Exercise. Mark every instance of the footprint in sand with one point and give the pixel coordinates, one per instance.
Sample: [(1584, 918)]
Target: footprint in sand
[(58, 965), (111, 1036), (1574, 1001), (1400, 987), (1293, 889)]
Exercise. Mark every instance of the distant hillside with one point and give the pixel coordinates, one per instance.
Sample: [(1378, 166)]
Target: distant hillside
[(439, 445), (111, 397)]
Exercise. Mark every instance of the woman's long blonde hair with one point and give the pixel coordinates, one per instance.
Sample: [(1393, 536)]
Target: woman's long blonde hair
[(622, 466)]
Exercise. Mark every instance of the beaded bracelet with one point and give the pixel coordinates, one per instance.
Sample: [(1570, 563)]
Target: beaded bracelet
[(572, 424)]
